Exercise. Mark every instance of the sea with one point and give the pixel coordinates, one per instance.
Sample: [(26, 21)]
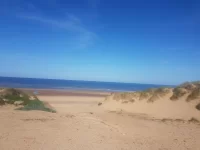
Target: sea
[(16, 82)]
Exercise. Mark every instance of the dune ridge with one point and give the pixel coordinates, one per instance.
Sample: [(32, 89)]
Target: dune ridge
[(181, 102)]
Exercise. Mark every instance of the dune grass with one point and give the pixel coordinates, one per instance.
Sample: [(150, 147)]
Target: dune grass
[(194, 95), (28, 101), (177, 93), (36, 105), (13, 98), (13, 95)]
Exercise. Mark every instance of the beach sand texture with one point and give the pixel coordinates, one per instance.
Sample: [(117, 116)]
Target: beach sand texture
[(81, 124)]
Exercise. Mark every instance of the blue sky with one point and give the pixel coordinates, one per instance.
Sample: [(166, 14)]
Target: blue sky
[(140, 41)]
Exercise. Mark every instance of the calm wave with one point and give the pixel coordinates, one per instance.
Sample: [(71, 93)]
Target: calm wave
[(72, 84)]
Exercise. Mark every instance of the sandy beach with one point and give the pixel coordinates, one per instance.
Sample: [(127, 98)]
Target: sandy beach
[(81, 124), (100, 75)]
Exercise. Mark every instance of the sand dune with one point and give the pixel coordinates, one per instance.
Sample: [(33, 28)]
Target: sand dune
[(178, 103)]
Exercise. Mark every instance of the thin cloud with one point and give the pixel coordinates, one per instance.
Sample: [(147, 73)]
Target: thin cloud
[(82, 37), (73, 18), (73, 24)]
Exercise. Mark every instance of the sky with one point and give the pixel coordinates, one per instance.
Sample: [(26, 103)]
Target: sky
[(134, 41)]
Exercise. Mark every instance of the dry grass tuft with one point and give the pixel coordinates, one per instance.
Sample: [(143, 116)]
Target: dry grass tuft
[(177, 93), (194, 120), (124, 102), (179, 120), (2, 102), (154, 98), (166, 120), (128, 96), (132, 100), (147, 94), (158, 93), (194, 95), (188, 86), (99, 104), (198, 106)]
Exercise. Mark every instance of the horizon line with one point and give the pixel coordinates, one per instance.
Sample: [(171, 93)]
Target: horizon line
[(85, 80)]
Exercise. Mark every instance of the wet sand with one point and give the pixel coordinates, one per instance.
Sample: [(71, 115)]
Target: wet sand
[(54, 92)]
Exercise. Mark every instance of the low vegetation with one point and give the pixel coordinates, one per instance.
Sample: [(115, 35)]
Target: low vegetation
[(149, 95), (188, 85), (36, 105), (153, 98), (188, 91), (144, 95), (18, 97), (2, 102), (178, 93), (158, 93), (13, 95), (198, 106), (99, 104), (119, 96), (194, 120), (195, 94)]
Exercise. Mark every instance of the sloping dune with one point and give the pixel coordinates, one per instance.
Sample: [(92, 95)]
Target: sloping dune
[(175, 103)]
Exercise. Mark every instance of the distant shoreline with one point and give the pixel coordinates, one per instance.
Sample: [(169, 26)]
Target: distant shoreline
[(74, 85), (63, 92)]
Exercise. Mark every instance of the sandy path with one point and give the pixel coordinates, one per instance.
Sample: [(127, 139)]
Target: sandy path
[(80, 124)]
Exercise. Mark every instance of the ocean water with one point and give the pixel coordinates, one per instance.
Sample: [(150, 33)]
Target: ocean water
[(15, 82)]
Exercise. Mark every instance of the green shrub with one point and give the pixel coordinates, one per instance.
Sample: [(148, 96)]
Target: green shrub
[(12, 95), (30, 101), (36, 105), (12, 98)]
